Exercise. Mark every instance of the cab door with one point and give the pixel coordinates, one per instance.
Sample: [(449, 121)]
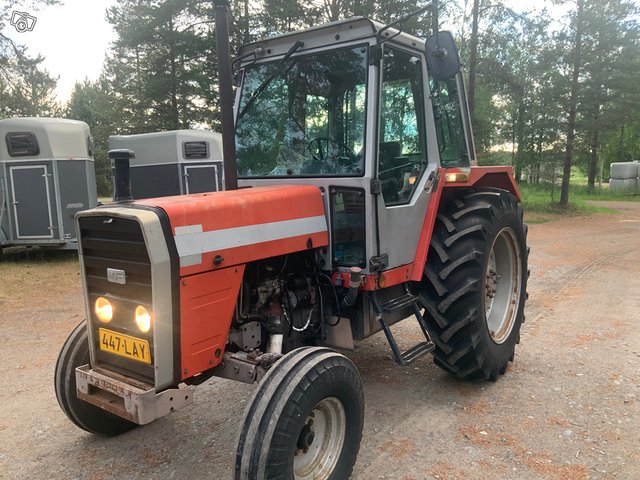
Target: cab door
[(405, 172)]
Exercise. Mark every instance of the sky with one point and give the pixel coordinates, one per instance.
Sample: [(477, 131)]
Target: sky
[(75, 36), (72, 37)]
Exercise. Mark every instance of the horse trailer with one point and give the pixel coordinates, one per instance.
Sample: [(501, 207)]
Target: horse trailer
[(46, 176), (176, 162)]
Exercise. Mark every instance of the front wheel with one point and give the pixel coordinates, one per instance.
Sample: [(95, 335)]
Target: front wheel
[(75, 353), (304, 421), (475, 283)]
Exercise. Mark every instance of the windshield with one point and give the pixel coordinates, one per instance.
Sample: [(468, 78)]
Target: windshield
[(308, 120)]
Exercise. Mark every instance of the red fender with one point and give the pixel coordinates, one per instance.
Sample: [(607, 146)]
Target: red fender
[(450, 182)]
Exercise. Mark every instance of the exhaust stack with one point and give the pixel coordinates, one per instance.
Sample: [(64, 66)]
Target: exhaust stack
[(225, 91)]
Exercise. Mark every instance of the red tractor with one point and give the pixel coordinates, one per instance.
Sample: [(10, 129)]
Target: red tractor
[(358, 204)]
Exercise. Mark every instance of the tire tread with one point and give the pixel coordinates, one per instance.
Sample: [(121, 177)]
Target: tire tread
[(452, 285), (264, 437)]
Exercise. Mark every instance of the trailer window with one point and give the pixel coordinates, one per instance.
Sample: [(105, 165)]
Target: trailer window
[(195, 149), (22, 144)]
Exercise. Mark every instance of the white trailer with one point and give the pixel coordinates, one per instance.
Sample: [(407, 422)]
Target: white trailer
[(176, 162), (46, 176)]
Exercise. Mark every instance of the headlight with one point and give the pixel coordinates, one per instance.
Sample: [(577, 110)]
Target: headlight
[(103, 309), (143, 319)]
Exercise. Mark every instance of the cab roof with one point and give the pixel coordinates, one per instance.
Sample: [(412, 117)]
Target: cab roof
[(327, 35)]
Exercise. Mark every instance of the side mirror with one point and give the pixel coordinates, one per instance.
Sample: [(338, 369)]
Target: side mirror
[(443, 60)]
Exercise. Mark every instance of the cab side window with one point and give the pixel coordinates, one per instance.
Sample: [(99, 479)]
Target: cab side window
[(401, 151), (448, 119)]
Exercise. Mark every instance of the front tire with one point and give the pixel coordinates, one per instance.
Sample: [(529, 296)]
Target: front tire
[(304, 421), (475, 282), (75, 353)]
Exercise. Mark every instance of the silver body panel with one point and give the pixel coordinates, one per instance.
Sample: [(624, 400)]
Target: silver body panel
[(156, 244)]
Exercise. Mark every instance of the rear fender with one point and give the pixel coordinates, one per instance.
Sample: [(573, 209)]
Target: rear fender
[(495, 177), (452, 182)]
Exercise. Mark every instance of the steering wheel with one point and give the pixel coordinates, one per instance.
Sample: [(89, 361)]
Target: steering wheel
[(327, 149)]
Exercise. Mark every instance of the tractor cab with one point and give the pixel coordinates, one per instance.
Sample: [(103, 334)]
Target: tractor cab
[(353, 108)]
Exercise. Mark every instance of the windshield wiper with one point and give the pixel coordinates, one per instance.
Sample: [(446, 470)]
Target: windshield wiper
[(269, 79)]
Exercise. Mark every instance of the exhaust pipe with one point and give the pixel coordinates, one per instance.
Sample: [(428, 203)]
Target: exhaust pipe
[(225, 91), (354, 284), (122, 174)]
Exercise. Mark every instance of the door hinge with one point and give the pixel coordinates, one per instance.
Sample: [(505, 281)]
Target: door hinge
[(378, 263), (431, 179), (375, 186)]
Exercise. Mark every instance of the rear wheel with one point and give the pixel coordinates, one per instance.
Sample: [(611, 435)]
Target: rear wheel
[(474, 288), (74, 353), (304, 422)]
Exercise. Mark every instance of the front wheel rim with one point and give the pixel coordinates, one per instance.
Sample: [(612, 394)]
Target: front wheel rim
[(320, 441), (502, 286)]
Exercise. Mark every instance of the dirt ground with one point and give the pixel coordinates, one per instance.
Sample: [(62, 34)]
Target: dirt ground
[(568, 407)]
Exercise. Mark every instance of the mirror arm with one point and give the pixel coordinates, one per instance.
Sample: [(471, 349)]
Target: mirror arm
[(432, 7), (434, 22), (235, 63)]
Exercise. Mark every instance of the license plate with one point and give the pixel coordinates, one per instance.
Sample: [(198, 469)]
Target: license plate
[(125, 346)]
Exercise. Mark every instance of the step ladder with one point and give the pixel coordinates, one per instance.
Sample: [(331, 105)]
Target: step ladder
[(399, 303)]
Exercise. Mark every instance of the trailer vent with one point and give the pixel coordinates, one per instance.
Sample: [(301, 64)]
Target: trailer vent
[(196, 149), (22, 144)]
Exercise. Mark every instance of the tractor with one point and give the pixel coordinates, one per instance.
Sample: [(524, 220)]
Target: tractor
[(353, 201)]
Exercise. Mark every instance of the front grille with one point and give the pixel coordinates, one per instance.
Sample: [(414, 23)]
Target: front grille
[(117, 243)]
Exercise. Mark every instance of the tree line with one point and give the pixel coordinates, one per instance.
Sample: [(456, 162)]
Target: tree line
[(548, 90)]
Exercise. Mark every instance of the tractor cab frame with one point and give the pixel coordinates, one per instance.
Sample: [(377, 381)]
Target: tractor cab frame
[(359, 116)]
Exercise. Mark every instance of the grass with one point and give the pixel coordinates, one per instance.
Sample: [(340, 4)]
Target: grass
[(539, 198), (45, 273)]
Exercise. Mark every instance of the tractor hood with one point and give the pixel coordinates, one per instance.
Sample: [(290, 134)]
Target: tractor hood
[(221, 229)]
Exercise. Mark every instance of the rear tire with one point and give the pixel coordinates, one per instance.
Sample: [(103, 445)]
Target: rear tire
[(74, 353), (475, 283), (304, 421)]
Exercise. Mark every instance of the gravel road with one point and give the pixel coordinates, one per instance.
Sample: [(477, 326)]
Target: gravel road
[(568, 407)]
